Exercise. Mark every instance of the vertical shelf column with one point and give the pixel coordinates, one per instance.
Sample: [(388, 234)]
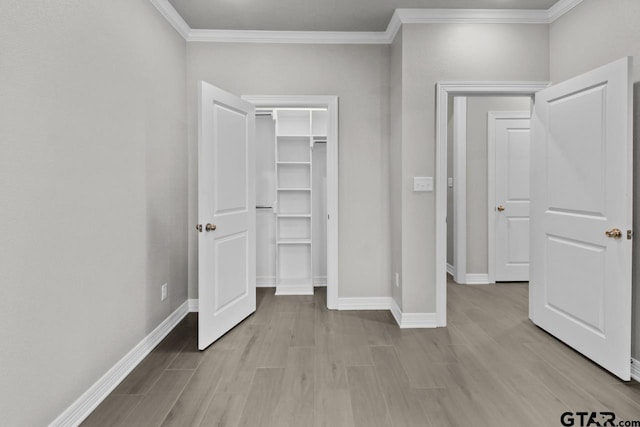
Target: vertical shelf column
[(294, 269)]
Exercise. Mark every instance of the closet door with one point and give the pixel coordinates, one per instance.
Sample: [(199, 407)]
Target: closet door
[(227, 213)]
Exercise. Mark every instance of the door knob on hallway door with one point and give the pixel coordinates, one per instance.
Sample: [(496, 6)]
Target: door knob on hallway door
[(500, 208), (614, 233), (210, 227)]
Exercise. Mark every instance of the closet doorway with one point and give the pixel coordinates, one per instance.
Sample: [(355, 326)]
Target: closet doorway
[(297, 194)]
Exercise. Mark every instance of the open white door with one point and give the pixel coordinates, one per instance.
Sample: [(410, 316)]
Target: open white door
[(226, 212), (581, 200)]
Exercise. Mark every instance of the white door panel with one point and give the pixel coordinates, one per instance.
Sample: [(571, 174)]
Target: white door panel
[(226, 199), (581, 168), (512, 141)]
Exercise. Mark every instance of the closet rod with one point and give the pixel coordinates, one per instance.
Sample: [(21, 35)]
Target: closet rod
[(264, 207)]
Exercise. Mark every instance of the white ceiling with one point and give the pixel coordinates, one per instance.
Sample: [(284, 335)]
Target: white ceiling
[(320, 15)]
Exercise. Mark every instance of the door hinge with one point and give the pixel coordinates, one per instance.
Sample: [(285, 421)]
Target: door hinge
[(629, 234)]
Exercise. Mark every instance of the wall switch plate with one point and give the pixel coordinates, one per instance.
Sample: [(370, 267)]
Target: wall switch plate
[(450, 182), (423, 183), (397, 279), (164, 294)]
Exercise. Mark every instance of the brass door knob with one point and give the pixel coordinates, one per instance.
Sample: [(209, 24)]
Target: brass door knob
[(614, 233), (199, 227), (210, 227), (500, 208)]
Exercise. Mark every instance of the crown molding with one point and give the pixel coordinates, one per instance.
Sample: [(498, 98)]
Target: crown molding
[(173, 17), (472, 16), (395, 23), (560, 8), (306, 37), (399, 18)]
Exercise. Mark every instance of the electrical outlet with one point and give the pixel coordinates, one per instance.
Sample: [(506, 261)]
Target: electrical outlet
[(397, 279), (164, 293)]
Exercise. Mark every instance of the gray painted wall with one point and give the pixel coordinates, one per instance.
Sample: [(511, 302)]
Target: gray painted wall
[(438, 52), (576, 48), (478, 108), (359, 76), (93, 181)]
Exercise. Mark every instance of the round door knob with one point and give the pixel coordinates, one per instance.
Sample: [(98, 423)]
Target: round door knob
[(199, 227), (210, 227), (500, 208)]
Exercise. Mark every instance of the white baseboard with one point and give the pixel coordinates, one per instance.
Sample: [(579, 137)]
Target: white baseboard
[(193, 305), (477, 279), (90, 399), (635, 369), (412, 320), (404, 320), (266, 282), (451, 270), (319, 281), (366, 303), (418, 320), (294, 290)]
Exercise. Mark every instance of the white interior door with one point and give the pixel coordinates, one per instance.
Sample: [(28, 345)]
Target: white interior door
[(580, 287), (512, 140), (226, 212)]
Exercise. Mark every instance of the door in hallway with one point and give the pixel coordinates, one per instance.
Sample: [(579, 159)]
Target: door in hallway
[(510, 135)]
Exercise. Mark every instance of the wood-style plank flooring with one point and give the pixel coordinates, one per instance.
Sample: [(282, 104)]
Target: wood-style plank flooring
[(294, 363)]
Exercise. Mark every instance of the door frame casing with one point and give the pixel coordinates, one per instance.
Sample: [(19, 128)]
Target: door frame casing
[(459, 189), (491, 182), (443, 90), (331, 104)]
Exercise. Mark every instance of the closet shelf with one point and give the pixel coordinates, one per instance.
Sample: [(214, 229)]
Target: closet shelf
[(294, 242), (294, 189), (293, 163)]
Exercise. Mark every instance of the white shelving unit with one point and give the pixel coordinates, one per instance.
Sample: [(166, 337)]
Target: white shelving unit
[(296, 132)]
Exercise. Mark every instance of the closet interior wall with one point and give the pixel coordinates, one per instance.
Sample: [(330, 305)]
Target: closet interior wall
[(265, 197)]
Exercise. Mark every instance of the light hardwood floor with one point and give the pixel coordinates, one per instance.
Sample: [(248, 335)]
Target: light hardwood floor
[(294, 363)]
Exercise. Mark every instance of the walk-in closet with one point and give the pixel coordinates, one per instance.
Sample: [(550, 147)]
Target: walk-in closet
[(291, 195)]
